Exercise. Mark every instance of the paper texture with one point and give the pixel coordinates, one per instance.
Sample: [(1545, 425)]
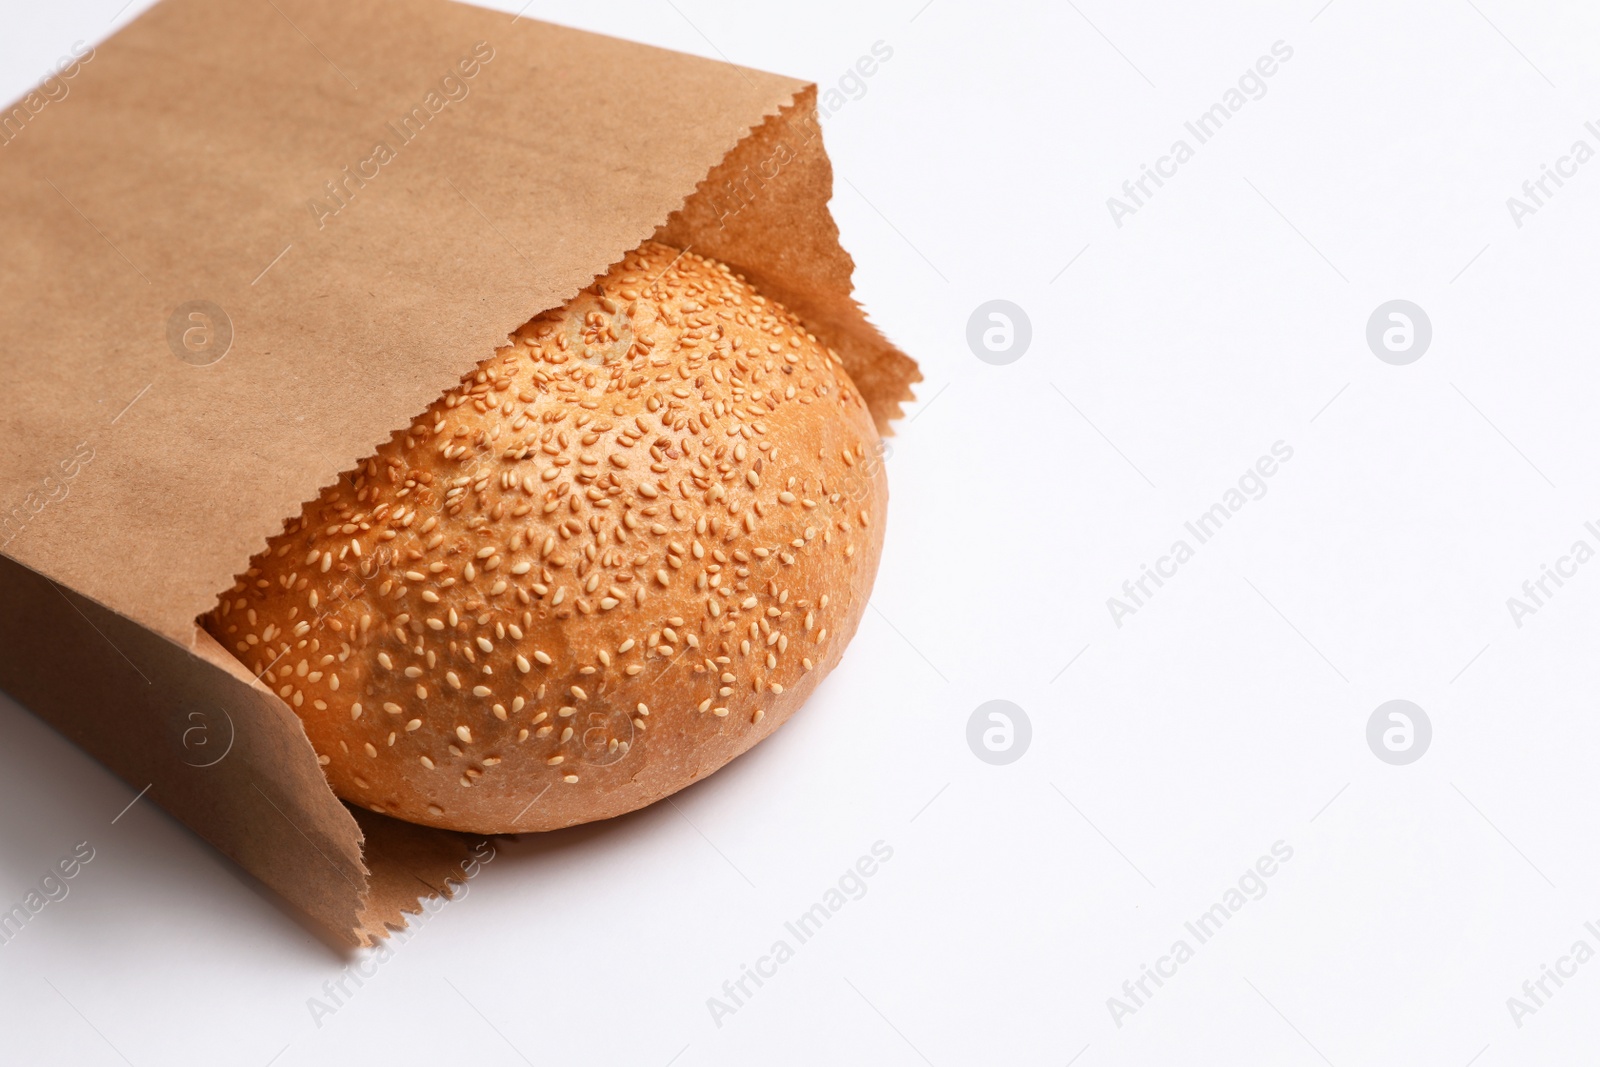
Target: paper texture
[(360, 202)]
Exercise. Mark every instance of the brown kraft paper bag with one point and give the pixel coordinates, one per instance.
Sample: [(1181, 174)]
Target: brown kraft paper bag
[(251, 242)]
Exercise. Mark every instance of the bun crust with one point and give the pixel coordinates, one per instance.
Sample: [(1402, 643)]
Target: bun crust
[(617, 555)]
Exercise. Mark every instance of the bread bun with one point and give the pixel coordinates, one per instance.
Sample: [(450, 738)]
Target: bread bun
[(614, 557)]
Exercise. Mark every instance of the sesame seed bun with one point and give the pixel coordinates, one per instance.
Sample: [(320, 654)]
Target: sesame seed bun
[(617, 555)]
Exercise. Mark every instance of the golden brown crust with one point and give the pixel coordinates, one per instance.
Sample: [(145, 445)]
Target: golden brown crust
[(613, 558)]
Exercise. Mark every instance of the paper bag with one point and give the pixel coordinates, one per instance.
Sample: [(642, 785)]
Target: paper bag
[(251, 242)]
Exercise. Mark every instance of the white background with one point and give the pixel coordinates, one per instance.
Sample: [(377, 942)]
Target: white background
[(1227, 714)]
